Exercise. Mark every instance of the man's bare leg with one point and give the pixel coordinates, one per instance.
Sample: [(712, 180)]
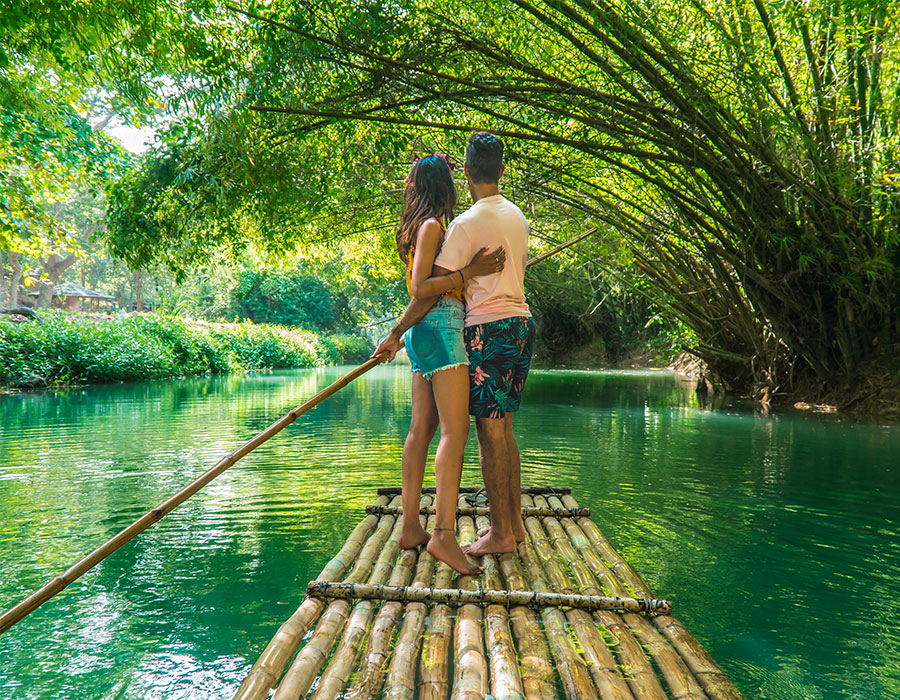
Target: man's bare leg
[(515, 482), (415, 451), (495, 468), (515, 485)]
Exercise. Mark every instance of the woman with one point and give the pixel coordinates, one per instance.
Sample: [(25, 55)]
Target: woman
[(440, 387)]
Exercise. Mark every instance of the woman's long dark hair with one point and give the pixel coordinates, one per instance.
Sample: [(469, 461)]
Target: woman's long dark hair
[(430, 192)]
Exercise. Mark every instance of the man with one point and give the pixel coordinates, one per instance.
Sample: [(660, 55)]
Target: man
[(499, 334)]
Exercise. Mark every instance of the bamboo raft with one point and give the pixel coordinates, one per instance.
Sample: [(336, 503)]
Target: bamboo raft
[(563, 617)]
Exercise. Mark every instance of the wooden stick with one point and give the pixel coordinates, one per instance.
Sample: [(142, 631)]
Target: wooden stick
[(562, 246), (154, 515), (272, 662), (434, 668), (76, 571), (482, 597), (470, 510), (506, 680), (534, 490)]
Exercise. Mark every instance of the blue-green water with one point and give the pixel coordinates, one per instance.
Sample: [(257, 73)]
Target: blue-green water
[(777, 537)]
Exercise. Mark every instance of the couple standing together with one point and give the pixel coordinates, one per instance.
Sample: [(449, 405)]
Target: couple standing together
[(469, 336)]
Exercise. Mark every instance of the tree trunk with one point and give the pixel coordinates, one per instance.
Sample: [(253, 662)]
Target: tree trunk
[(3, 287), (138, 294), (53, 268), (15, 278)]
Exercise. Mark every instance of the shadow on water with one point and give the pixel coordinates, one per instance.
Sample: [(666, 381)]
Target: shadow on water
[(777, 537)]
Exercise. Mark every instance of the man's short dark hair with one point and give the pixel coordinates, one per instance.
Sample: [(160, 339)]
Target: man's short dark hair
[(484, 157)]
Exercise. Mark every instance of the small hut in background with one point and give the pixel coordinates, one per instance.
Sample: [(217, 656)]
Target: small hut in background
[(68, 296)]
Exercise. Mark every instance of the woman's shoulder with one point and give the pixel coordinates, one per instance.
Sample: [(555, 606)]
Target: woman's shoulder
[(431, 227)]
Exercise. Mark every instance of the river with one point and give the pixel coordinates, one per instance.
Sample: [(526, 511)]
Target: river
[(777, 537)]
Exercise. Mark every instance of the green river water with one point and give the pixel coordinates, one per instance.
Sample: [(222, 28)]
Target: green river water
[(777, 537)]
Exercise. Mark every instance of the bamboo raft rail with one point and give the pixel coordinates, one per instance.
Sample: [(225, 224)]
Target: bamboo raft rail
[(562, 617), (484, 510)]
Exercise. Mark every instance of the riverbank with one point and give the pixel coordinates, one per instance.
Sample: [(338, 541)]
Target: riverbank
[(73, 349), (874, 393)]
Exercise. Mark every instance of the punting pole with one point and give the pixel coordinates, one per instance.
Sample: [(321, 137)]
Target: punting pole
[(77, 570)]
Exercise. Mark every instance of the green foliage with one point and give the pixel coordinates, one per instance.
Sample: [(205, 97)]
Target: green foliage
[(73, 350), (290, 298), (745, 152), (65, 70)]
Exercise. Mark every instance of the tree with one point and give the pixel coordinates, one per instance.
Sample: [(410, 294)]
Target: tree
[(747, 156), (63, 76)]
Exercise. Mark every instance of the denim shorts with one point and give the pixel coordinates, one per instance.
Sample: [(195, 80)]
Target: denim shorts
[(436, 342)]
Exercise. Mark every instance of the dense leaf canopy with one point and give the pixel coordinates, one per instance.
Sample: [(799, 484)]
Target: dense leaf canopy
[(740, 156)]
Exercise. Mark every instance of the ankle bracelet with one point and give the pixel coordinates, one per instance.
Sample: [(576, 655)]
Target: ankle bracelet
[(444, 528)]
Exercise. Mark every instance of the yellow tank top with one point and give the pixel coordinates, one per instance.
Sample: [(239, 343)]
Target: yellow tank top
[(455, 293)]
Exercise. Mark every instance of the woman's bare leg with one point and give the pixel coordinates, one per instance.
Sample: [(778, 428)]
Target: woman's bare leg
[(451, 395), (415, 451)]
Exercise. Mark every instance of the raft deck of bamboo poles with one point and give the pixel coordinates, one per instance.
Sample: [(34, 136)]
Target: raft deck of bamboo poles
[(562, 617)]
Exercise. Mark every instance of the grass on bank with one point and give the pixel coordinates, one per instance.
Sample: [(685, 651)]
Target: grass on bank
[(77, 349)]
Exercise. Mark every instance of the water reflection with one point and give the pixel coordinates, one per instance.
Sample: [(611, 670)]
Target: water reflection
[(776, 536)]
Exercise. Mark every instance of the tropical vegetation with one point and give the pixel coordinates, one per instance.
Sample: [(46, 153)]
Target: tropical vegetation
[(68, 349), (738, 157)]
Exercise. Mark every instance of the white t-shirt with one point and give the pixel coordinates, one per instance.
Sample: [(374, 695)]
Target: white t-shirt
[(490, 222)]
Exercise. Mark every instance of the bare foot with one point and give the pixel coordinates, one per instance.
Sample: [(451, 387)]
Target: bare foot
[(518, 533), (518, 530), (445, 548), (491, 544), (410, 539)]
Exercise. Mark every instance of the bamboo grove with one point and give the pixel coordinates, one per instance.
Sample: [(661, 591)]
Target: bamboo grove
[(746, 152)]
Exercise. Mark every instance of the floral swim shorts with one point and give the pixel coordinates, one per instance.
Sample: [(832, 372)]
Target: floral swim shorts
[(436, 342), (499, 358)]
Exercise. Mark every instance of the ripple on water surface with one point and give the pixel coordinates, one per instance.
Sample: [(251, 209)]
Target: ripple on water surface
[(777, 537)]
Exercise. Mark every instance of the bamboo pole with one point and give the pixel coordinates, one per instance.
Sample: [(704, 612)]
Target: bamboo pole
[(470, 678), (271, 663), (600, 662), (77, 570), (344, 660), (690, 655), (434, 669), (481, 597), (154, 515), (374, 561), (401, 677), (571, 545), (370, 677), (533, 490), (484, 510), (506, 680), (573, 671), (538, 674), (562, 246)]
